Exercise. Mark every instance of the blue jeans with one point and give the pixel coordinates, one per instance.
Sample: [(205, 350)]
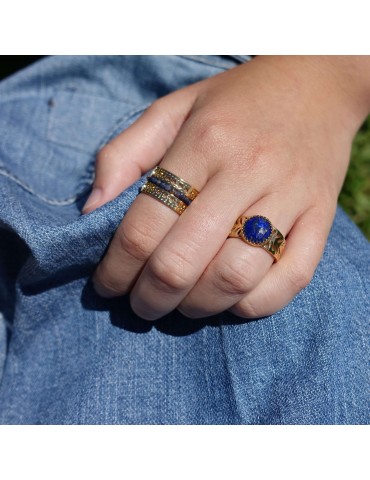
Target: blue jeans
[(70, 357)]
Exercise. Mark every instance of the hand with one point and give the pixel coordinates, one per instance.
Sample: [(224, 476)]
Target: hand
[(271, 137)]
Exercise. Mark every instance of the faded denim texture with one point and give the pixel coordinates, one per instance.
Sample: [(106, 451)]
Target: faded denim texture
[(70, 357)]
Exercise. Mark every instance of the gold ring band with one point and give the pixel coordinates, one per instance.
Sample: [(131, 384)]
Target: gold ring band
[(165, 197), (169, 189), (258, 231), (175, 181)]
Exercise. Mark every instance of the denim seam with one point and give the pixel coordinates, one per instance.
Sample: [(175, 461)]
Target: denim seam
[(48, 93), (107, 136), (13, 97), (88, 175), (29, 189)]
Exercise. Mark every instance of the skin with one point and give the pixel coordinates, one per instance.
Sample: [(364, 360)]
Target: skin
[(270, 137)]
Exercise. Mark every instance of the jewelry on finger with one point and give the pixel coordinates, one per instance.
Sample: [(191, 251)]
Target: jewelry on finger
[(169, 188), (258, 231), (175, 182), (163, 196)]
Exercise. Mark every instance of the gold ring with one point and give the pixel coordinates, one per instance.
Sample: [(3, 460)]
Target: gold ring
[(174, 181), (165, 197), (258, 231), (169, 189)]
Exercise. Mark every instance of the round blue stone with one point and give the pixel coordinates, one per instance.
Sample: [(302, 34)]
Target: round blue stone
[(257, 229)]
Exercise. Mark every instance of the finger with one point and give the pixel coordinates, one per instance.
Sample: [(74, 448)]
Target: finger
[(188, 247), (140, 147), (147, 221), (294, 271), (238, 267), (145, 224)]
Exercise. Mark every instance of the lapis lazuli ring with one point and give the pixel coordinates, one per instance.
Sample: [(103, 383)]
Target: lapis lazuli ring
[(259, 232)]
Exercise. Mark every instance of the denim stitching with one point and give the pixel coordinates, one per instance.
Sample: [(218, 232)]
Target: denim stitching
[(86, 179), (30, 190)]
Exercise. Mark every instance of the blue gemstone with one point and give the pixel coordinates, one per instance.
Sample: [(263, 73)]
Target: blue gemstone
[(257, 229)]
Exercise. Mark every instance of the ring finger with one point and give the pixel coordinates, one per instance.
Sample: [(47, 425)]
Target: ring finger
[(294, 272), (238, 267)]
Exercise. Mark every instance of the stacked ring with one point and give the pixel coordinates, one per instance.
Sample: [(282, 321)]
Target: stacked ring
[(259, 232), (169, 189), (163, 196), (177, 194)]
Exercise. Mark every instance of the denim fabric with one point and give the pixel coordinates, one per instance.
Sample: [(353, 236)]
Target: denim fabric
[(70, 357)]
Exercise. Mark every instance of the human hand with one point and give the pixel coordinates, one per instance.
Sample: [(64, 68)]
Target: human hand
[(272, 138)]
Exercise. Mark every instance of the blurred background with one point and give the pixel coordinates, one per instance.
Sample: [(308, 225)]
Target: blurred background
[(355, 194)]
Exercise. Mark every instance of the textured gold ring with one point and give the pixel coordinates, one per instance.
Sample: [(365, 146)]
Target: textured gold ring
[(259, 232), (169, 189), (165, 197), (176, 182)]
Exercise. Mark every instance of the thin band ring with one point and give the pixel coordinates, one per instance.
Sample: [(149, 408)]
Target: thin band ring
[(169, 189), (175, 181), (164, 197)]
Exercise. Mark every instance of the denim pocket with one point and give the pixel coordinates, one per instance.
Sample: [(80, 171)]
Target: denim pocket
[(81, 121), (48, 144)]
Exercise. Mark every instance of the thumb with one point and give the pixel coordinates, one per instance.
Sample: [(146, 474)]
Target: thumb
[(140, 147)]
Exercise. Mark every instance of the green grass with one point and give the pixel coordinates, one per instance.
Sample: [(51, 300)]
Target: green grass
[(355, 194)]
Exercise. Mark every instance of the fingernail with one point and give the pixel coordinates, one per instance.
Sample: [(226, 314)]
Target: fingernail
[(93, 199)]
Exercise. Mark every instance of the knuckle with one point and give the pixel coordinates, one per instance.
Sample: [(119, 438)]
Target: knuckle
[(221, 135), (169, 273), (234, 278), (211, 134), (299, 277), (105, 284), (211, 131), (245, 309), (187, 312), (135, 240)]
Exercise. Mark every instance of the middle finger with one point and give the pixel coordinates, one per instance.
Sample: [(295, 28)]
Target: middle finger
[(238, 267), (187, 249)]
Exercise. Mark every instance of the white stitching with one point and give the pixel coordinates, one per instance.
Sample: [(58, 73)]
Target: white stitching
[(89, 173)]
